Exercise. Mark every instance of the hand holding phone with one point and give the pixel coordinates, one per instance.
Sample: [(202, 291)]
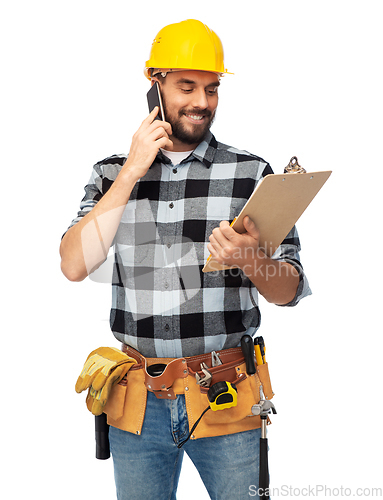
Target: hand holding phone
[(153, 134)]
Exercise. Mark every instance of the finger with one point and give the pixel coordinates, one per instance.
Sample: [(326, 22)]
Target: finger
[(211, 250), (164, 143), (250, 227), (219, 243), (157, 133), (214, 253), (154, 112), (216, 250), (222, 235), (161, 124), (150, 118), (161, 139), (227, 230)]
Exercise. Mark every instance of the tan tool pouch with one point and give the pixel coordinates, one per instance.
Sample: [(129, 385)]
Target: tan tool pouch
[(127, 402), (230, 420), (264, 376)]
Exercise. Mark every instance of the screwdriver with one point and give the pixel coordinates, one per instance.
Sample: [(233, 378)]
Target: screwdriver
[(260, 350)]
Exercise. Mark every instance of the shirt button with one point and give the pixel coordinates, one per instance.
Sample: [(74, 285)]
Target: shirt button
[(171, 205), (167, 328), (166, 285), (174, 170)]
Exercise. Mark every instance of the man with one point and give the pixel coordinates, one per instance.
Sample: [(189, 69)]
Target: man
[(165, 207)]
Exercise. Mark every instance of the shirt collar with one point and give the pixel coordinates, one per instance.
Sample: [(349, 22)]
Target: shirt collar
[(161, 158), (204, 152)]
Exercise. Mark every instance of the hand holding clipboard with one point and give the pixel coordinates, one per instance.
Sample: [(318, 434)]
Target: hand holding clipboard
[(275, 206)]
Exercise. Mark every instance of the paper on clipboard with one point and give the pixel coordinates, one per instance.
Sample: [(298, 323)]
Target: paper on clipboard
[(275, 206)]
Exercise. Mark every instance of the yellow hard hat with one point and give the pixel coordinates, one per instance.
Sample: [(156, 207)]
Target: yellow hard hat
[(190, 45)]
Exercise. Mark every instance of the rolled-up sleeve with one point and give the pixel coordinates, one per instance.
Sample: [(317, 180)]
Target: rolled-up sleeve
[(288, 251), (103, 175), (92, 196)]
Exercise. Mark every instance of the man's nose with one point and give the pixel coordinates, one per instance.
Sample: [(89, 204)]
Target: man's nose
[(200, 99)]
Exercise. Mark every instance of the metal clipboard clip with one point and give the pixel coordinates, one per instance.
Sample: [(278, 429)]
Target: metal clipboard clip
[(293, 167)]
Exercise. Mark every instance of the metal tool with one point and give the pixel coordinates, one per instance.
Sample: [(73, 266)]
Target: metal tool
[(215, 359), (205, 380), (263, 409), (293, 167)]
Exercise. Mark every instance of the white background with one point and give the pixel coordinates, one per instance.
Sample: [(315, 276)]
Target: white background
[(308, 82)]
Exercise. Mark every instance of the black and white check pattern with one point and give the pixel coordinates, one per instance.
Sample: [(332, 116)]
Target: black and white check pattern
[(162, 303)]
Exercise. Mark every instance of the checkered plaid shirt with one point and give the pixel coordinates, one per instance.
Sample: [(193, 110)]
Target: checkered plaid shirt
[(162, 303)]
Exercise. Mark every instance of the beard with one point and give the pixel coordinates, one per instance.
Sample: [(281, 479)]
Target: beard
[(192, 133)]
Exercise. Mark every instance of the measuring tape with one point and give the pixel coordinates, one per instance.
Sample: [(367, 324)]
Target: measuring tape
[(222, 395)]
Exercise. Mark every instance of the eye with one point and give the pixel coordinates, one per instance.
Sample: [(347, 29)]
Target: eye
[(187, 91)]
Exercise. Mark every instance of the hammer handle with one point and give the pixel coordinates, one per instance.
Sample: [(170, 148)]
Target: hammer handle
[(247, 346)]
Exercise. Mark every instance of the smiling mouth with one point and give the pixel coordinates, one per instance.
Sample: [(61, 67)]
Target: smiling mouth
[(195, 118)]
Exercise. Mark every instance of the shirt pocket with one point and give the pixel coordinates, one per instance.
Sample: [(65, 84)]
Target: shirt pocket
[(137, 237), (220, 211)]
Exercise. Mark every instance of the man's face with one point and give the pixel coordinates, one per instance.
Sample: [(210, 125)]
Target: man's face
[(190, 99)]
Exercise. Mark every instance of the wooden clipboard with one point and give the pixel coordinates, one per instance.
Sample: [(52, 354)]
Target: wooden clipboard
[(275, 206)]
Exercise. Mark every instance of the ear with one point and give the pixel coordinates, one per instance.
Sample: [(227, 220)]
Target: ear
[(153, 80)]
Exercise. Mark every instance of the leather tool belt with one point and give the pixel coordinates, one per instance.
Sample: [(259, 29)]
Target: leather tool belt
[(165, 385), (127, 403)]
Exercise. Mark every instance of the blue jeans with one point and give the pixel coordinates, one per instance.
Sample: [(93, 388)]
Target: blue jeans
[(147, 467)]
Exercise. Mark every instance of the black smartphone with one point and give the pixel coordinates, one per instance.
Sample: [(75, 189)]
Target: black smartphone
[(154, 99)]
